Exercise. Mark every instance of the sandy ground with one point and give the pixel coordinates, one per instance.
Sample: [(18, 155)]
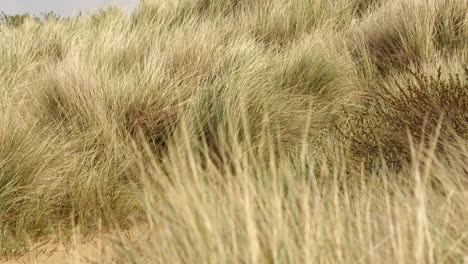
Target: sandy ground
[(92, 250), (87, 252)]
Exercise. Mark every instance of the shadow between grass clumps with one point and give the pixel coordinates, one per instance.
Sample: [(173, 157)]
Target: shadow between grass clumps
[(425, 106)]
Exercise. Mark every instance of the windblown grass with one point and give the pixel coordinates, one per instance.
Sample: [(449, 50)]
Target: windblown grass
[(215, 122), (308, 209)]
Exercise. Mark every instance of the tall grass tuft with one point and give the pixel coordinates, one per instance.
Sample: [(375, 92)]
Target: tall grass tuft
[(305, 210), (239, 131)]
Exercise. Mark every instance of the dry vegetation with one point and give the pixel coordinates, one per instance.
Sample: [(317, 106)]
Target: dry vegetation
[(241, 131)]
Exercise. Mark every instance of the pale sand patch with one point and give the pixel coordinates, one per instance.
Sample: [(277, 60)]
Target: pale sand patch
[(99, 249)]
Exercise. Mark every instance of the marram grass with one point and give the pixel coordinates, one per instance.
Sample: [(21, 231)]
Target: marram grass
[(240, 131)]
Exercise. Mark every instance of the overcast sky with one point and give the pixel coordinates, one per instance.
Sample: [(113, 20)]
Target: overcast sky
[(61, 7)]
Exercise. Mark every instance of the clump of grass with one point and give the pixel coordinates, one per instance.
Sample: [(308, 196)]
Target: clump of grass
[(176, 13), (395, 36), (40, 175), (14, 20), (19, 20), (450, 26), (298, 211), (413, 110), (276, 23), (362, 7), (155, 120), (207, 106)]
